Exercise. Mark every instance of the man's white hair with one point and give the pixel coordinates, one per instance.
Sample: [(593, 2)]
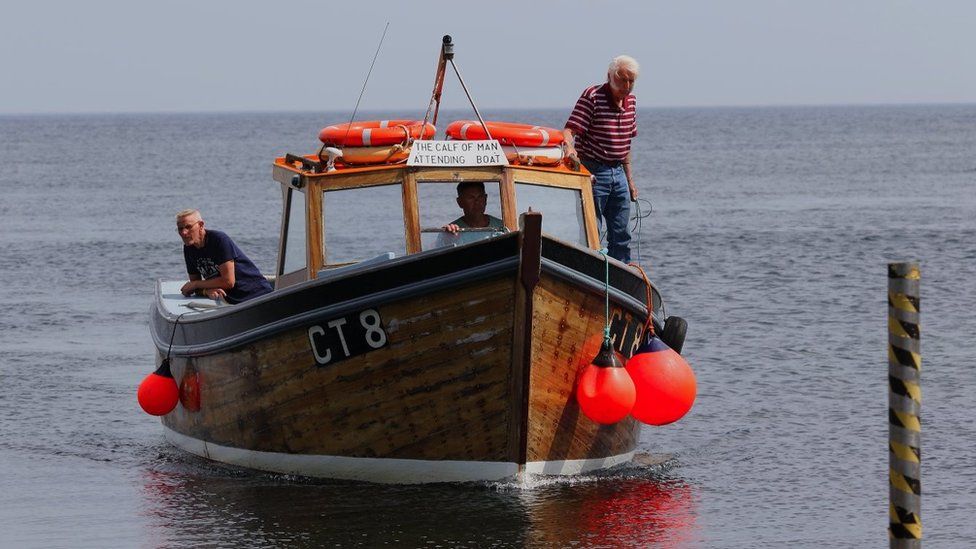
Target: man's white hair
[(623, 62), (187, 212)]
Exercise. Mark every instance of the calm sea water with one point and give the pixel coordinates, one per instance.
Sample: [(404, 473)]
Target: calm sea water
[(770, 234)]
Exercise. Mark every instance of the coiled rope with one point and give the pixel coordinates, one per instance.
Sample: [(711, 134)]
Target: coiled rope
[(637, 217), (649, 325)]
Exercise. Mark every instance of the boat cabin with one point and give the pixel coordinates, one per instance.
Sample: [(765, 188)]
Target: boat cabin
[(333, 219)]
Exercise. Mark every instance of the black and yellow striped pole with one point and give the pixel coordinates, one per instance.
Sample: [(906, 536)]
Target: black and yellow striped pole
[(904, 405)]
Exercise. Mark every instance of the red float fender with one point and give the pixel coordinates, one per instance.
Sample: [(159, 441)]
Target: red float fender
[(158, 393), (664, 381), (604, 391)]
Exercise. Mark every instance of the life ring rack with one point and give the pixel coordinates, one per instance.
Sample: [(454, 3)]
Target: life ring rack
[(376, 133)]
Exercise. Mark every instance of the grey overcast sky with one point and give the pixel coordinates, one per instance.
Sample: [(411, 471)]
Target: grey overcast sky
[(242, 55)]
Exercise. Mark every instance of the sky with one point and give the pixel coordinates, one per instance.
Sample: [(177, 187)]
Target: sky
[(59, 56)]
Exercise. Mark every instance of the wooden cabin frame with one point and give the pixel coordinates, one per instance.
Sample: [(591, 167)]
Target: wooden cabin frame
[(294, 179)]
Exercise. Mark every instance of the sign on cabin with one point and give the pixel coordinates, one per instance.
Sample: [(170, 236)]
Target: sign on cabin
[(457, 153)]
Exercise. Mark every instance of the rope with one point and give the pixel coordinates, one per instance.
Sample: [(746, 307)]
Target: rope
[(518, 153), (393, 151), (606, 294), (649, 325), (321, 149), (637, 218), (173, 335), (406, 134), (470, 100), (402, 146), (361, 92), (368, 73)]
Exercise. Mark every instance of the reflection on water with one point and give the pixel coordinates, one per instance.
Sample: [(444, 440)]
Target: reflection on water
[(196, 502), (616, 511), (186, 508)]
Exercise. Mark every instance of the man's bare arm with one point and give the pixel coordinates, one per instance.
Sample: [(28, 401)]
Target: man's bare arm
[(224, 282)]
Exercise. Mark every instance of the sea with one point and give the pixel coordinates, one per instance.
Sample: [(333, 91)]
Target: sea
[(769, 229)]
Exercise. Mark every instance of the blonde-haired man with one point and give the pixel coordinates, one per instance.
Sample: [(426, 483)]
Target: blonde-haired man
[(217, 268)]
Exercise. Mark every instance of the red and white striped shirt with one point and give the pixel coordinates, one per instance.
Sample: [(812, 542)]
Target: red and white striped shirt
[(602, 130)]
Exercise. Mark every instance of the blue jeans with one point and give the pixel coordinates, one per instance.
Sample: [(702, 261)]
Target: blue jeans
[(611, 196)]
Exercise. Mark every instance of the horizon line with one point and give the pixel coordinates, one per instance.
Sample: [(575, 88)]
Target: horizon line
[(518, 109)]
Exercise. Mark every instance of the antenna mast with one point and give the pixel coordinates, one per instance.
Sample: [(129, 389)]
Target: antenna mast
[(447, 55)]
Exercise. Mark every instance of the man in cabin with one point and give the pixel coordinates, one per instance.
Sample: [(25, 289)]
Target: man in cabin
[(472, 199), (217, 267), (598, 135)]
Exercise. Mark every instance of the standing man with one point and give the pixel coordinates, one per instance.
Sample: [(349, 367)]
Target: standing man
[(216, 266), (598, 135)]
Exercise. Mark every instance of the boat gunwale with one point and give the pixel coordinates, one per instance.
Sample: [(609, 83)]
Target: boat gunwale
[(305, 285), (239, 339), (160, 314)]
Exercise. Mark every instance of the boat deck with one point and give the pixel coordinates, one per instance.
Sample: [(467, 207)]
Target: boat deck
[(178, 304)]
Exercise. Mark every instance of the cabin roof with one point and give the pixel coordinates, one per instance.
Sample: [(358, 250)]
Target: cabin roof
[(368, 175)]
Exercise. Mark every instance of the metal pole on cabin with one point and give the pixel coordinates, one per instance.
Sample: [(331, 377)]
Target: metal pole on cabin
[(904, 405)]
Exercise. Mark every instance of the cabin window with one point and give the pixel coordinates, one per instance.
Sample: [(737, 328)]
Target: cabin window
[(294, 251), (562, 210), (438, 206), (363, 223)]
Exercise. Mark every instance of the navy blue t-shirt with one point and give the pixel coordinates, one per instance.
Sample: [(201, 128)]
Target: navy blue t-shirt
[(217, 249)]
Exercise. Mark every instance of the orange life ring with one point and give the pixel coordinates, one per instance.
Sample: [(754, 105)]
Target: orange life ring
[(533, 156), (374, 133), (507, 133), (390, 154)]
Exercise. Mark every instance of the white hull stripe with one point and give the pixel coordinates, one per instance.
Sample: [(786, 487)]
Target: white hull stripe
[(575, 466), (392, 471), (366, 141)]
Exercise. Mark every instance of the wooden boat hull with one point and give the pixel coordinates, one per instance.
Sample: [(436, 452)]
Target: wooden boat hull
[(471, 378)]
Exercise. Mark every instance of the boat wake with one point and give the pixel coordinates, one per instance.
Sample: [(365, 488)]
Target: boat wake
[(642, 467)]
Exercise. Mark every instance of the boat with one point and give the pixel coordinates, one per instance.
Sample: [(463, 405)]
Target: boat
[(383, 357)]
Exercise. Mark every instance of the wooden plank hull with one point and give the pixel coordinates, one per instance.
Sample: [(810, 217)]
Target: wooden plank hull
[(462, 388), (568, 334)]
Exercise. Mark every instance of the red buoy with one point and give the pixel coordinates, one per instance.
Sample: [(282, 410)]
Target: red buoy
[(604, 389), (158, 393), (190, 391), (664, 381)]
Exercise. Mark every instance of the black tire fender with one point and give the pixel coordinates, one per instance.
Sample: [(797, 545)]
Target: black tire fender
[(674, 332)]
